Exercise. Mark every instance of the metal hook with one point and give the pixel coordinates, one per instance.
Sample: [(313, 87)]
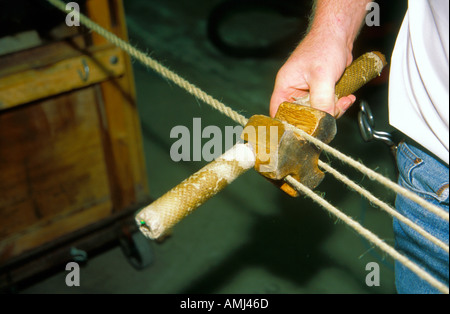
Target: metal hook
[(84, 76), (365, 109), (366, 124), (364, 127)]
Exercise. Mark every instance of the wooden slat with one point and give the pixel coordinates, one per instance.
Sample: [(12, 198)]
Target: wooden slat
[(138, 165), (123, 135), (44, 55), (37, 83), (50, 229)]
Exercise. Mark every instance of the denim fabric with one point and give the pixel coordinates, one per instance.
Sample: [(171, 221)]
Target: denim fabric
[(429, 178)]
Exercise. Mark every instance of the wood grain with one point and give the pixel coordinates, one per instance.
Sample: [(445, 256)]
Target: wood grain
[(123, 139), (51, 165)]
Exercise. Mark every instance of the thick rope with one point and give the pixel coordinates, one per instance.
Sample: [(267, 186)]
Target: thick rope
[(369, 196), (369, 235), (198, 93), (374, 175)]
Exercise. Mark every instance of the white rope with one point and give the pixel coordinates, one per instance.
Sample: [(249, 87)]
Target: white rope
[(369, 196), (374, 175), (368, 235)]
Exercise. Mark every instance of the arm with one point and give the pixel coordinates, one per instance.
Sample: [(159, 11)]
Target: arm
[(322, 56)]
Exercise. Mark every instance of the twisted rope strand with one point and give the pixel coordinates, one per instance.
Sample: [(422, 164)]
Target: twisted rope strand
[(374, 175), (369, 196)]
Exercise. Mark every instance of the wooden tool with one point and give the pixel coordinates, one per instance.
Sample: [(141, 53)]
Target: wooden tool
[(272, 148)]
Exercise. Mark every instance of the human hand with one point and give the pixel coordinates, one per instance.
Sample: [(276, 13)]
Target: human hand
[(314, 67)]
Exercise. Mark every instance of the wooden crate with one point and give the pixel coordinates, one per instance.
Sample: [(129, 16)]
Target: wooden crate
[(71, 157)]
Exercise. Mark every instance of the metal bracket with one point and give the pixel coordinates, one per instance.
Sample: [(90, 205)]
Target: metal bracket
[(366, 124)]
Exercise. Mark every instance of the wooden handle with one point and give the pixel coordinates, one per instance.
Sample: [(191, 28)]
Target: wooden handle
[(362, 70), (161, 215), (359, 72)]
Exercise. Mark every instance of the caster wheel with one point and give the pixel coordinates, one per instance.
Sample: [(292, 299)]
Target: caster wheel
[(137, 249)]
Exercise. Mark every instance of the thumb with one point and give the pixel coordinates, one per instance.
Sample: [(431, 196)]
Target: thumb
[(275, 101), (322, 94)]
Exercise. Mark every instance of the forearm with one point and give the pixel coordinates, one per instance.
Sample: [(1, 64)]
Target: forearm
[(340, 18)]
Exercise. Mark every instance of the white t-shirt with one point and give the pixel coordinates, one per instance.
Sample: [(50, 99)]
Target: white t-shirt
[(419, 76)]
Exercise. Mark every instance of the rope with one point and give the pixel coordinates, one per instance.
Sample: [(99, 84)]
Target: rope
[(374, 175), (369, 235), (216, 104), (382, 205)]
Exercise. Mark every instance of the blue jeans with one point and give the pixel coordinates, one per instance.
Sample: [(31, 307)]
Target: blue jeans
[(429, 178)]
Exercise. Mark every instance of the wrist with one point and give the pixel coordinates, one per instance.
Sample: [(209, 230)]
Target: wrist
[(332, 32), (339, 20)]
